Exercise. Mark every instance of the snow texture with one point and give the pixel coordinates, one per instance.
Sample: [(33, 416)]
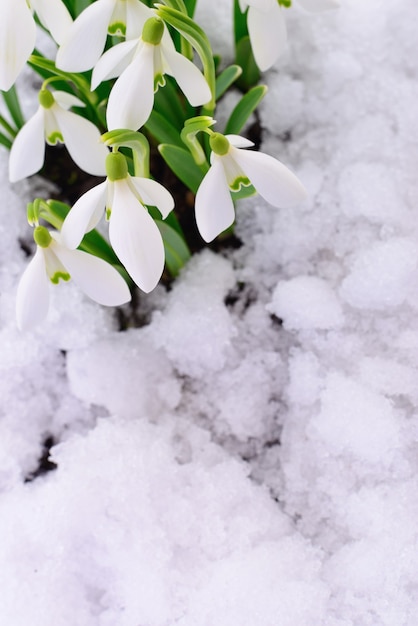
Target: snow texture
[(248, 456)]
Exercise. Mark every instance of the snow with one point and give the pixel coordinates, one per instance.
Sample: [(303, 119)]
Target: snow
[(248, 453)]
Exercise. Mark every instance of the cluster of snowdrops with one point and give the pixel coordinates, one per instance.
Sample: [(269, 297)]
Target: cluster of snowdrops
[(127, 73)]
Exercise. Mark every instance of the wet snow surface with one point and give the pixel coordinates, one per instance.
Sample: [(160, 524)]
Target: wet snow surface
[(249, 457)]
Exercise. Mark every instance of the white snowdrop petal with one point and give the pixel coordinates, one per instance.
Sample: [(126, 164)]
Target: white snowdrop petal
[(239, 142), (32, 298), (132, 97), (95, 277), (268, 36), (154, 194), (135, 238), (27, 154), (82, 140), (273, 180), (17, 39), (317, 6), (189, 78), (136, 16), (213, 205), (67, 100), (86, 39), (84, 216), (54, 15), (113, 62)]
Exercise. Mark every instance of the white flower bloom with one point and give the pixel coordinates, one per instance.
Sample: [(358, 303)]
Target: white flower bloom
[(232, 167), (267, 27), (141, 65), (133, 234), (18, 32), (53, 123), (53, 261), (86, 39)]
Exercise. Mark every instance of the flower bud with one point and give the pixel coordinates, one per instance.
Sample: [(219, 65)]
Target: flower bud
[(219, 144), (116, 166), (153, 31), (42, 236), (46, 99)]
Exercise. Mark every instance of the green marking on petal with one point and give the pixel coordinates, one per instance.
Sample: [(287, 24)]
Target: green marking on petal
[(42, 236), (241, 181), (285, 3), (46, 99), (117, 29), (159, 81), (55, 138), (108, 213), (55, 279)]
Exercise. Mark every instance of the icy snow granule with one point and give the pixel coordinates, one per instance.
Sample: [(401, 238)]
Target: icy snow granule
[(382, 276), (306, 302)]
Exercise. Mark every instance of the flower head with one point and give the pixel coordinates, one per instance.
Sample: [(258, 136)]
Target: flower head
[(54, 262), (134, 235), (231, 167), (54, 124), (86, 39), (267, 26), (141, 64), (18, 32)]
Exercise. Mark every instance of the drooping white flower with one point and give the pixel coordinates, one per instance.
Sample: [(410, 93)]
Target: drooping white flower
[(86, 39), (18, 32), (133, 234), (53, 261), (267, 26), (231, 167), (53, 123), (141, 64)]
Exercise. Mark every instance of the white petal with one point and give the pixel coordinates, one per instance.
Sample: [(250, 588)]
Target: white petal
[(28, 150), (132, 97), (154, 194), (189, 78), (135, 238), (316, 6), (67, 100), (273, 180), (84, 216), (32, 298), (82, 140), (86, 39), (267, 30), (113, 62), (96, 278), (17, 39), (54, 15), (213, 205), (136, 16), (239, 142)]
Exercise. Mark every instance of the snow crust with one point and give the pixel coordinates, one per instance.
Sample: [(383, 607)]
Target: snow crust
[(248, 456)]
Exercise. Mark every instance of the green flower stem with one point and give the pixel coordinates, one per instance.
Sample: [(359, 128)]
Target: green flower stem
[(198, 39), (188, 135), (137, 142)]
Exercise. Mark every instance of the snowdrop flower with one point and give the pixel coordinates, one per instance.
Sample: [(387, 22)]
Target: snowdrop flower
[(232, 167), (53, 261), (86, 39), (267, 27), (133, 234), (18, 32), (141, 65), (53, 123)]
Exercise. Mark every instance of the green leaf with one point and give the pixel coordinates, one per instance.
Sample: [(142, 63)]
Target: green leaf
[(12, 102), (170, 103), (240, 23), (177, 252), (183, 165), (226, 78), (248, 103), (162, 130), (244, 58), (5, 141)]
